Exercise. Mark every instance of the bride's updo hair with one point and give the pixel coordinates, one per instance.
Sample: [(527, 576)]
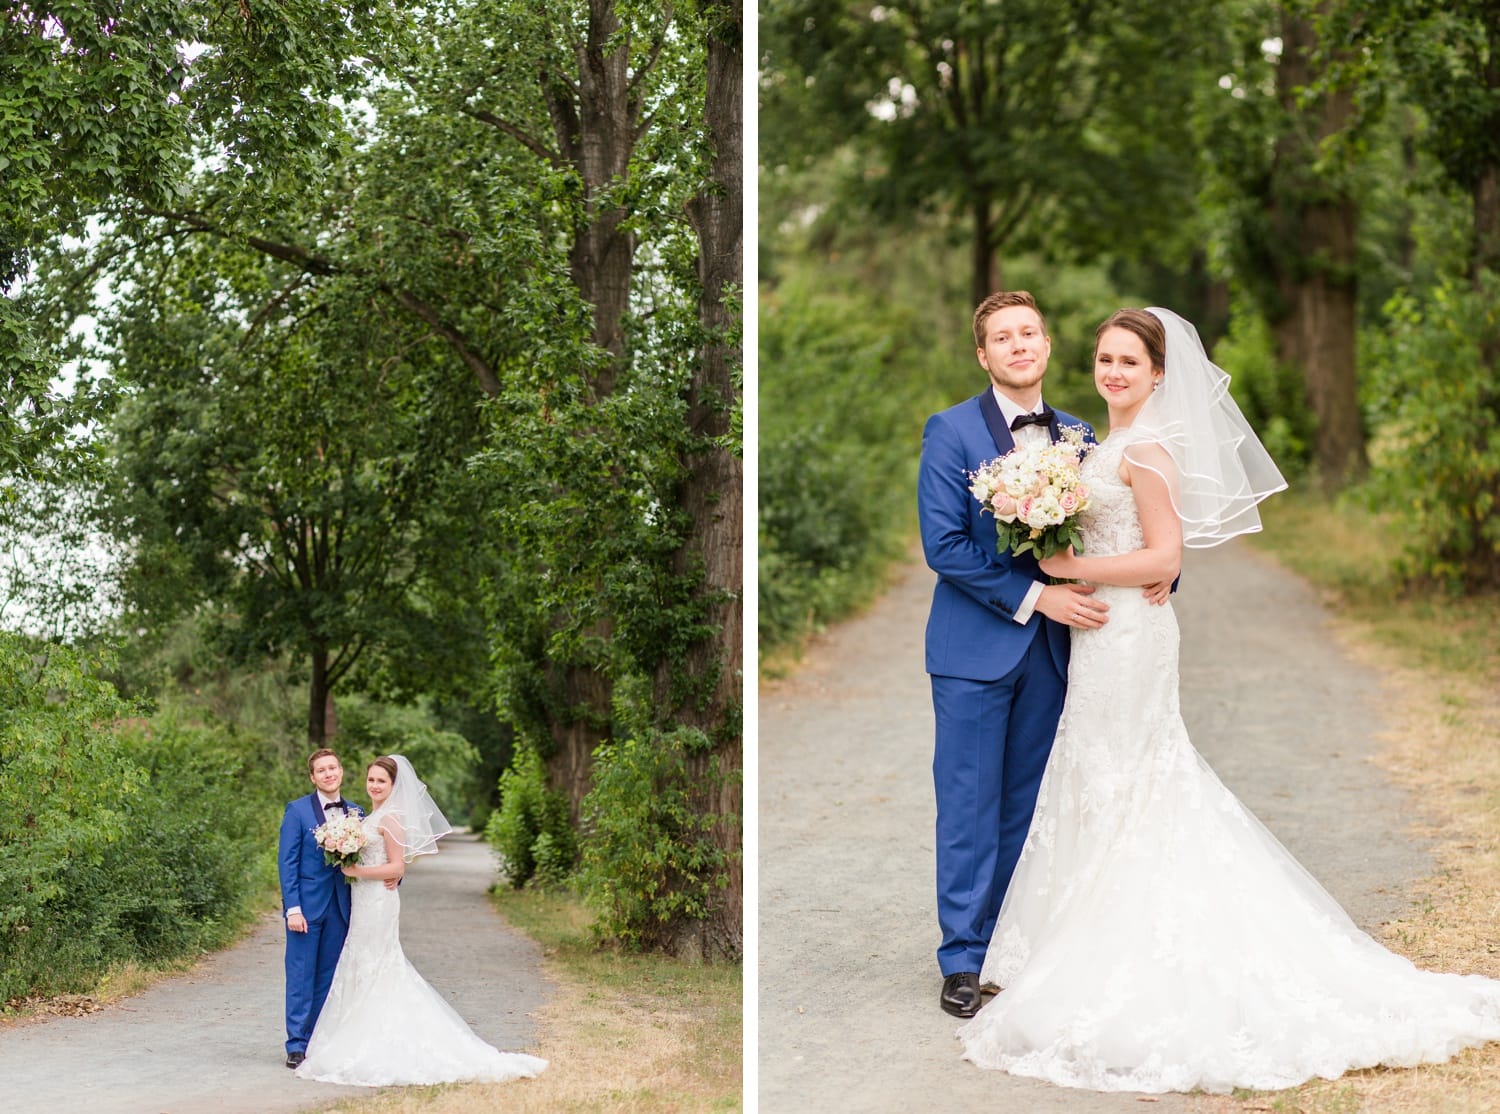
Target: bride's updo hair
[(1145, 325), (386, 764)]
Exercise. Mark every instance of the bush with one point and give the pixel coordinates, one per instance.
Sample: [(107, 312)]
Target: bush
[(530, 829), (1435, 461), (650, 863), (127, 839), (840, 416)]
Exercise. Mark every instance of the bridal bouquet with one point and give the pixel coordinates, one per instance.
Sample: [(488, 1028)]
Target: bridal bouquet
[(341, 839), (1036, 494)]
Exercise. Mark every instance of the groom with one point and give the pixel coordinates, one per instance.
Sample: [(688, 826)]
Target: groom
[(316, 901), (997, 647)]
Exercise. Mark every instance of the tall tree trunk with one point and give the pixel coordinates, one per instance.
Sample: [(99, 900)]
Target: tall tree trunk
[(985, 275), (318, 697), (704, 690), (594, 125), (1315, 220), (1486, 196)]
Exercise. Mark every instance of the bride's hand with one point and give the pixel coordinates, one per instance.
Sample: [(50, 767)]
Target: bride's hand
[(1059, 564), (349, 871)]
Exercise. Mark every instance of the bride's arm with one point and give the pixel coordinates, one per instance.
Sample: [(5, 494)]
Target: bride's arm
[(1161, 557), (393, 869)]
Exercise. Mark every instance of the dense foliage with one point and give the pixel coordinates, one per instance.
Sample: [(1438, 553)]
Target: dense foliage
[(128, 838), (1317, 185), (388, 357)]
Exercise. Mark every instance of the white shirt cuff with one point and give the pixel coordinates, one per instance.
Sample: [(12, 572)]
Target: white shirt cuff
[(294, 910), (1028, 605)]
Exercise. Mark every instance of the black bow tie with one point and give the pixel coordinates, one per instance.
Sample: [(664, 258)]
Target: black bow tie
[(1044, 418), (335, 804)]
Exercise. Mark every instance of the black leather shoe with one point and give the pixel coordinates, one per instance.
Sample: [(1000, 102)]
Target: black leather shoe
[(295, 1058), (961, 994)]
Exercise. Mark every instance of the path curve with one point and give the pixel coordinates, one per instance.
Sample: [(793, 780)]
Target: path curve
[(848, 1013), (211, 1039)]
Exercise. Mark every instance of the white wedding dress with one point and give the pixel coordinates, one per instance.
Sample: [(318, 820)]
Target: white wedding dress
[(1155, 936), (382, 1023)]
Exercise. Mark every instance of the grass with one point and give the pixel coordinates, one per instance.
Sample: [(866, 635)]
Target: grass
[(1438, 657), (622, 1033)]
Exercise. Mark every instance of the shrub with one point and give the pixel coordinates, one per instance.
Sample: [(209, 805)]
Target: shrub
[(530, 829), (127, 838), (650, 865), (1435, 461)]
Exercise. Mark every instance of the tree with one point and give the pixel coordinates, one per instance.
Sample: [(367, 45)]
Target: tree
[(295, 470), (700, 684), (469, 234), (1033, 119), (1314, 219), (1285, 135)]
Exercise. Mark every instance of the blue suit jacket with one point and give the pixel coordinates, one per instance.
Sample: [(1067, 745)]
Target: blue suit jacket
[(971, 629), (306, 880)]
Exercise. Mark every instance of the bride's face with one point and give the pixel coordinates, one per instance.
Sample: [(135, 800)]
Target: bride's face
[(1122, 370), (378, 785)]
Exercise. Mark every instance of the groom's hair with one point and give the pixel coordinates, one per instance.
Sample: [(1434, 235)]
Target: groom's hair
[(1002, 299), (315, 755)]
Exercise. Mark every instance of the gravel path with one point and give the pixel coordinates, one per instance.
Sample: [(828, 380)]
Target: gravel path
[(848, 1009), (212, 1039)]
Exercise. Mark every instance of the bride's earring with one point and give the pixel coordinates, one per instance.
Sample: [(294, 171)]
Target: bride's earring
[(1156, 385)]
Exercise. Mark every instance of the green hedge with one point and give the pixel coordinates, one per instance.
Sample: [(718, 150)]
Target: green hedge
[(126, 839)]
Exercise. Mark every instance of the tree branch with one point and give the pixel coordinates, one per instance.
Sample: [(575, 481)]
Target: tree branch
[(535, 146), (489, 382)]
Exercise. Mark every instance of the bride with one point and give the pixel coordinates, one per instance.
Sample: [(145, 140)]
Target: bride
[(382, 1023), (1156, 937)]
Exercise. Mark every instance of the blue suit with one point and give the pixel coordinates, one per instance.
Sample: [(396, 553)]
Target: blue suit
[(309, 882), (997, 685)]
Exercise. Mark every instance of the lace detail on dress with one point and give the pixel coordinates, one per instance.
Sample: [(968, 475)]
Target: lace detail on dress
[(1110, 525), (383, 1023), (1155, 936)]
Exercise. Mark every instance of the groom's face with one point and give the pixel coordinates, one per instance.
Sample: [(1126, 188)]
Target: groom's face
[(327, 774), (1015, 349)]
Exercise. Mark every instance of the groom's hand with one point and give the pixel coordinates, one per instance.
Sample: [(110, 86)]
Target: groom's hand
[(1158, 593), (1073, 605), (296, 922)]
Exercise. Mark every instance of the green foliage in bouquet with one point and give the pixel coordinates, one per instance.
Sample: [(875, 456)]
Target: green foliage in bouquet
[(1018, 538)]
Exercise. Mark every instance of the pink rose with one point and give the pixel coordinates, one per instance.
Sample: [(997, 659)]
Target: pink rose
[(1068, 502), (1023, 508), (1082, 491), (1004, 507)]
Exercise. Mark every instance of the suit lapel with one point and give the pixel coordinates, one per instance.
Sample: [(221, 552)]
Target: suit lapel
[(995, 421)]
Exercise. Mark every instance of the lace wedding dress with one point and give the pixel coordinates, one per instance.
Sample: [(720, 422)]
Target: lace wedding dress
[(1156, 937), (382, 1023)]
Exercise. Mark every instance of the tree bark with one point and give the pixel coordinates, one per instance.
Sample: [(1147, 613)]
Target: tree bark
[(594, 123), (704, 691), (1315, 221), (985, 278), (318, 694), (595, 127)]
